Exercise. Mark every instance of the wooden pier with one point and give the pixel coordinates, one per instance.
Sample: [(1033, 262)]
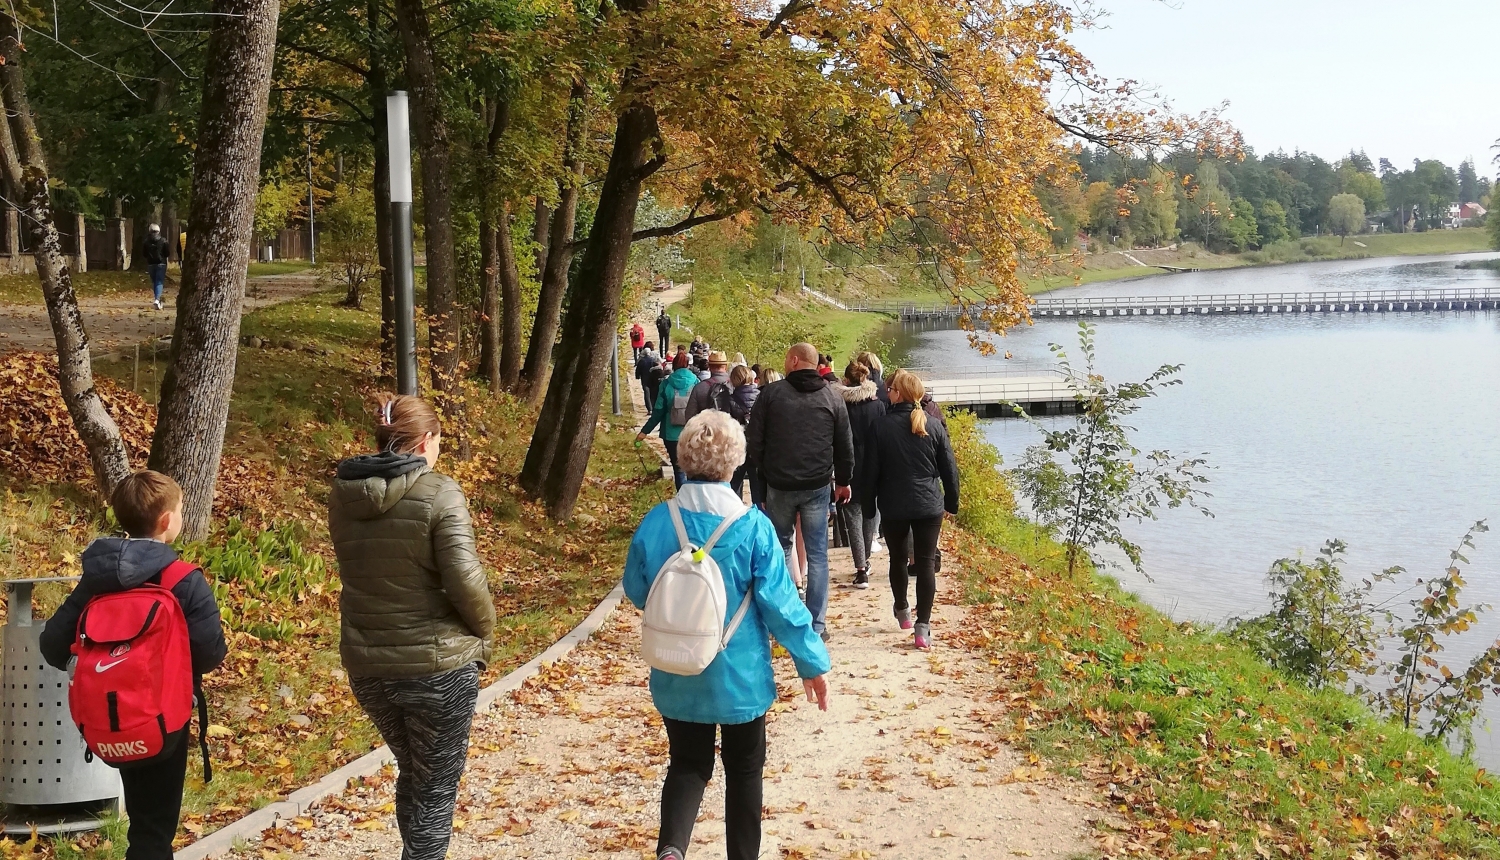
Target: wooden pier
[(990, 395), (1369, 301)]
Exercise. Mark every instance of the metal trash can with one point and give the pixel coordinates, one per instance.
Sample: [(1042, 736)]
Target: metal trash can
[(45, 781)]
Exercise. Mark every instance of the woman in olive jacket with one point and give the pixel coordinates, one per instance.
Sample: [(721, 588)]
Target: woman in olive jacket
[(910, 476), (416, 615)]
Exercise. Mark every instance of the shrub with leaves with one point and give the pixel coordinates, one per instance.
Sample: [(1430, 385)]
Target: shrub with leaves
[(1426, 693), (258, 576), (1319, 630), (1108, 480), (350, 255)]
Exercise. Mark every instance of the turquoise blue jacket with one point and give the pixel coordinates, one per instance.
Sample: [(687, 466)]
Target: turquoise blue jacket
[(739, 685), (681, 381)]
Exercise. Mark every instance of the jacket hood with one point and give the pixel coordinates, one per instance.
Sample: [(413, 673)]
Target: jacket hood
[(116, 564), (858, 393), (806, 381), (371, 484), (684, 377)]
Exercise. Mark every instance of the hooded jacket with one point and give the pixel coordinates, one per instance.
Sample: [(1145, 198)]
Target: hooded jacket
[(865, 411), (744, 401), (799, 434), (415, 598), (909, 477), (682, 381), (119, 564), (740, 684)]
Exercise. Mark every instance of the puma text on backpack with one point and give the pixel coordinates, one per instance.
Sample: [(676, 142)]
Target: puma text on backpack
[(131, 694), (683, 628), (721, 395)]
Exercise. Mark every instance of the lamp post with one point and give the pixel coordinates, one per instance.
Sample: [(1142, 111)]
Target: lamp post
[(398, 134)]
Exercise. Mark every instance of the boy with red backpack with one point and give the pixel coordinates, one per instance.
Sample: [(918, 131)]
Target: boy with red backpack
[(137, 635)]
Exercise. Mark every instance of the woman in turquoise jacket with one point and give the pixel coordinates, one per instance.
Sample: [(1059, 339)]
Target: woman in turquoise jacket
[(737, 689), (681, 382)]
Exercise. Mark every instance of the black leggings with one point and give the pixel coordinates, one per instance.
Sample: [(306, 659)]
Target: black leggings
[(688, 772), (914, 540)]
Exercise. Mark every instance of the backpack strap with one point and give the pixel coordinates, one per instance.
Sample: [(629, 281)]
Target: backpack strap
[(208, 768), (739, 615), (724, 525), (176, 572), (675, 509)]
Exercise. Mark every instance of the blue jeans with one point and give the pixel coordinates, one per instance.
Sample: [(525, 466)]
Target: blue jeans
[(158, 272), (678, 477), (783, 506)]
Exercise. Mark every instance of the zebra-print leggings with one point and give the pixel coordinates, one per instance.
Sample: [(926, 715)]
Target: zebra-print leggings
[(425, 721)]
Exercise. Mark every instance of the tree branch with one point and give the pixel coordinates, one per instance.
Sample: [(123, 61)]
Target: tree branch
[(347, 65), (819, 179), (791, 9), (682, 226)]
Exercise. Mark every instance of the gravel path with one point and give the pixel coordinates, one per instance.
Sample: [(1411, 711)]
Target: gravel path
[(903, 765), (120, 320)]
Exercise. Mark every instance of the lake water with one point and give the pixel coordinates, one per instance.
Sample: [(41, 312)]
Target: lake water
[(1379, 429)]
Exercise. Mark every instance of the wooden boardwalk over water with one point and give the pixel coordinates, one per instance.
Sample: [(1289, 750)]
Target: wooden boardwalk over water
[(989, 393), (1354, 301)]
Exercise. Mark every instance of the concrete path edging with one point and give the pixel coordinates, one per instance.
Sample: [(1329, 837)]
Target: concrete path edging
[(222, 841)]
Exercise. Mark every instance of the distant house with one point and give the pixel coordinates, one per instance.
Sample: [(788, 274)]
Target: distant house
[(1462, 214)]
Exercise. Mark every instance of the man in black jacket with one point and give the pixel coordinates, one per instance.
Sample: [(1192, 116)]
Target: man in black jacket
[(798, 439), (155, 252), (663, 330)]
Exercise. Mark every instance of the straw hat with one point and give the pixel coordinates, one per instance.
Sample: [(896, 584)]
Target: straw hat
[(717, 357)]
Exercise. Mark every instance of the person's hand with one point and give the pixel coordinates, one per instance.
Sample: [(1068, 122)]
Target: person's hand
[(817, 690), (842, 494), (640, 437)]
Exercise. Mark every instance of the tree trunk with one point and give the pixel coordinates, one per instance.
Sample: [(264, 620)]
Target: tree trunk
[(559, 453), (489, 306), (377, 84), (559, 258), (541, 222), (25, 167), (226, 171), (510, 296), (431, 126)]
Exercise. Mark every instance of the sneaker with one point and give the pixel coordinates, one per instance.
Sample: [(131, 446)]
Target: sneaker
[(903, 617), (922, 637), (875, 547), (861, 579), (157, 303), (825, 635), (669, 853)]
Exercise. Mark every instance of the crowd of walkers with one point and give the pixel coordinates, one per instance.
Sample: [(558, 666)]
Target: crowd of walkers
[(417, 617)]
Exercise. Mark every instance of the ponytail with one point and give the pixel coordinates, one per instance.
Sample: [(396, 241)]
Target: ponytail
[(910, 389)]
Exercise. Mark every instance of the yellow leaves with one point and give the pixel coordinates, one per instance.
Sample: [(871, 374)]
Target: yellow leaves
[(372, 824)]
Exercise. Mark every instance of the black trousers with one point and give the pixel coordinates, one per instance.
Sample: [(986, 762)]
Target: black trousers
[(692, 764), (153, 799), (425, 721), (915, 541)]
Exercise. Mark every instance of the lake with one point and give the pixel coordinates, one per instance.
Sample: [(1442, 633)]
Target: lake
[(1378, 429)]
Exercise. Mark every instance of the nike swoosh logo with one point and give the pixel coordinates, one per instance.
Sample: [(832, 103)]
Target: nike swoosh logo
[(100, 667)]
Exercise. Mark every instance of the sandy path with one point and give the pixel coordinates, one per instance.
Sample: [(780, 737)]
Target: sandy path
[(902, 766), (122, 319)]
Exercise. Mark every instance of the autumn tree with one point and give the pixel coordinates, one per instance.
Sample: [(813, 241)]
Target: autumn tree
[(194, 407), (28, 180), (843, 120)]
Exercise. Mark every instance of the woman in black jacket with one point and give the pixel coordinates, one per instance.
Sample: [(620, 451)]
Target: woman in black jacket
[(911, 478), (865, 410)]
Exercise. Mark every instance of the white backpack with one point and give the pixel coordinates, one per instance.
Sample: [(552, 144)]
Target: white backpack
[(683, 629)]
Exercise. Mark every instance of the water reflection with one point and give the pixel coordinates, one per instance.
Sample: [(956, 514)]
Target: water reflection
[(1377, 429)]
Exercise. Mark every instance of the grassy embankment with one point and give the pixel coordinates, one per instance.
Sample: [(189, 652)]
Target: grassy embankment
[(281, 699), (1200, 747)]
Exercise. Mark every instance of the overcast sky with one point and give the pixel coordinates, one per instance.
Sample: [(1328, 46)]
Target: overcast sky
[(1400, 79)]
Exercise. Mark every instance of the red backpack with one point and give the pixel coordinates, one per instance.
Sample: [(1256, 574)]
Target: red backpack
[(131, 694)]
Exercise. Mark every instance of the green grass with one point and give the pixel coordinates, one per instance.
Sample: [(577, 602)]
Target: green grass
[(1203, 749), (279, 267)]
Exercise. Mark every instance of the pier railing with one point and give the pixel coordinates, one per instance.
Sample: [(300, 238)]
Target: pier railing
[(1457, 298)]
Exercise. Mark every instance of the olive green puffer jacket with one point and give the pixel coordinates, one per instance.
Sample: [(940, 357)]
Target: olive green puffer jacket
[(415, 598)]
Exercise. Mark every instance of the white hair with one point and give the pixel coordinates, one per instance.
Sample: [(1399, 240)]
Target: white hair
[(711, 446)]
